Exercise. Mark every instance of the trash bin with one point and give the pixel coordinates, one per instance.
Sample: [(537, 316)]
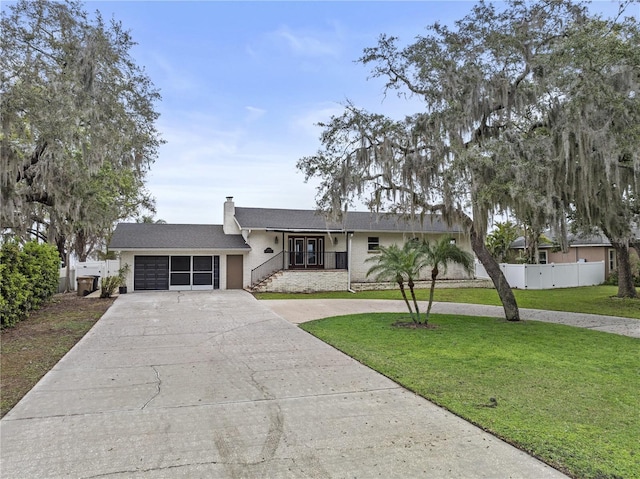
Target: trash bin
[(85, 285), (95, 283)]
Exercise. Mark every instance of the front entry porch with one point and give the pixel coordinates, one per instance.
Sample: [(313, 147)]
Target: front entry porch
[(311, 253), (312, 262)]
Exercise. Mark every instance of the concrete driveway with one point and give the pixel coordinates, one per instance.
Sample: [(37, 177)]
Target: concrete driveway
[(214, 384)]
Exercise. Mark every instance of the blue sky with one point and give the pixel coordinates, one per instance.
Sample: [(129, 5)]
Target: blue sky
[(244, 84)]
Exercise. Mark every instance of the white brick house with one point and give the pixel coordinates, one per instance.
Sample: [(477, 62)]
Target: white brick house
[(268, 249)]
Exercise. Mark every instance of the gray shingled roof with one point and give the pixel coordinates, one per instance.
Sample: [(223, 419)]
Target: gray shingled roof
[(310, 220), (519, 243), (572, 240), (589, 240), (173, 236)]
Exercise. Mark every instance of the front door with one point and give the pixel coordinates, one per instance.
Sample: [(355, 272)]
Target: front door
[(306, 252)]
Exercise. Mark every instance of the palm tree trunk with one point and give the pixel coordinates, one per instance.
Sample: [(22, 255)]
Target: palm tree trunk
[(406, 300), (415, 301), (434, 275)]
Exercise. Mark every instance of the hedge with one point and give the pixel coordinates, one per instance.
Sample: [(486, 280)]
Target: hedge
[(28, 278)]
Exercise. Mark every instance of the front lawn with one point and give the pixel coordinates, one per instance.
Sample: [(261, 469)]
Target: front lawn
[(587, 299), (34, 345), (566, 395)]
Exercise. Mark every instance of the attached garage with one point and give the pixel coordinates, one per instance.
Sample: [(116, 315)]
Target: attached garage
[(150, 273), (176, 273), (179, 257)]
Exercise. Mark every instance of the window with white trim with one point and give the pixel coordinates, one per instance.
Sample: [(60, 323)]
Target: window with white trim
[(613, 265), (373, 243), (542, 257)]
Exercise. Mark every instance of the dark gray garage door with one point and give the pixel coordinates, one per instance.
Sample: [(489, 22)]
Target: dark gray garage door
[(151, 273)]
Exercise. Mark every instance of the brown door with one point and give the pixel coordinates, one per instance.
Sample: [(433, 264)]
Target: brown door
[(234, 271)]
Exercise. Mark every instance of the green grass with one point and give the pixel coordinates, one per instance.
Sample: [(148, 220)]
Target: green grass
[(33, 346), (588, 299), (566, 395)]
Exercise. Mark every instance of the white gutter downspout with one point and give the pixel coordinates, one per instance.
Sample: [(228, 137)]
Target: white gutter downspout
[(349, 264)]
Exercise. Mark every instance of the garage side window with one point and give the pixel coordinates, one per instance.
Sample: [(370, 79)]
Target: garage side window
[(202, 270), (180, 271), (216, 272)]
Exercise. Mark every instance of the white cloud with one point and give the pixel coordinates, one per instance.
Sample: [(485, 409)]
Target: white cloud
[(254, 113), (202, 163), (313, 44), (196, 196), (306, 122)]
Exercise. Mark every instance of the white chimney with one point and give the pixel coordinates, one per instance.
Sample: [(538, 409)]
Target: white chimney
[(230, 227)]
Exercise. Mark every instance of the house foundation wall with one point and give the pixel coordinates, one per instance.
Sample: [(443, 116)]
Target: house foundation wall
[(308, 281), (470, 283)]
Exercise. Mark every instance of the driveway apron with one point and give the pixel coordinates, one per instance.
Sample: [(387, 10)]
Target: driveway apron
[(214, 384)]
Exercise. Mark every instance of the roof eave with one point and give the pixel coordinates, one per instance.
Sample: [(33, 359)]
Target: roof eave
[(592, 245), (303, 230), (135, 249)]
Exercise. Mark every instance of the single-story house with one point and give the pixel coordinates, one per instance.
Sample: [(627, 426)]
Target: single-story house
[(268, 249), (582, 248)]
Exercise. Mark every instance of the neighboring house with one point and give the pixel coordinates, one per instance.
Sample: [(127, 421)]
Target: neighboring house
[(582, 248), (268, 249)]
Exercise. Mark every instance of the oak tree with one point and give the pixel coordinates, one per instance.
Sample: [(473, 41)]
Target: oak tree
[(492, 90), (78, 130), (593, 128)]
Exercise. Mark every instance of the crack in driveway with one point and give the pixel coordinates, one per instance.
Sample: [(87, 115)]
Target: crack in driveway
[(152, 469), (158, 384)]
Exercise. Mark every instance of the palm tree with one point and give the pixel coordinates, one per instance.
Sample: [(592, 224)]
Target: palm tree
[(438, 256), (499, 240), (399, 265)]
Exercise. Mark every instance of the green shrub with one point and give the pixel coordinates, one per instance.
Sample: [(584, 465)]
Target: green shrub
[(109, 285), (28, 278), (41, 266), (612, 280), (14, 294)]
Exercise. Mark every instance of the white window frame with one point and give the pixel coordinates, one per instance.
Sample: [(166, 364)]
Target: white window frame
[(373, 244), (613, 260), (543, 254), (191, 272)]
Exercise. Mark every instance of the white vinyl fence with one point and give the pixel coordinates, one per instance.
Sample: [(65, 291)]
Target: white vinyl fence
[(89, 268), (549, 276)]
